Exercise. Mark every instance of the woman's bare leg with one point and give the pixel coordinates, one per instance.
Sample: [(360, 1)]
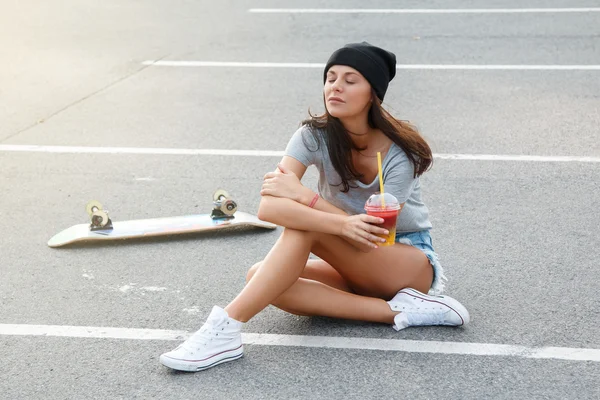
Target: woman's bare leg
[(322, 291), (317, 270), (280, 269), (377, 275)]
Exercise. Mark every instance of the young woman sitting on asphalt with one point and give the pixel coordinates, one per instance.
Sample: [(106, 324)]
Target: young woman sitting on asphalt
[(355, 277)]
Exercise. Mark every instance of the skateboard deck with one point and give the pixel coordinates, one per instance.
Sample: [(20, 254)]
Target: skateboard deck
[(154, 227), (103, 229)]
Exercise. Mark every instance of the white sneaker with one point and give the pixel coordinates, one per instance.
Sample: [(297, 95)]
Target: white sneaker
[(418, 309), (218, 341)]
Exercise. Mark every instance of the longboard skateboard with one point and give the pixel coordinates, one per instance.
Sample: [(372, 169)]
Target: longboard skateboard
[(224, 214)]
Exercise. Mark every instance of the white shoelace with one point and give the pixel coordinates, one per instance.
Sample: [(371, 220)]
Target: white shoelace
[(200, 338)]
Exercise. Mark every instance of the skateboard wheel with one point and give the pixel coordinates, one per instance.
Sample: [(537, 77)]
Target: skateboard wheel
[(220, 193), (93, 206), (228, 207), (99, 219)]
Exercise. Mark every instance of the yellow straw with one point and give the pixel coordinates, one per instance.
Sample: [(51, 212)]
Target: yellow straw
[(380, 178)]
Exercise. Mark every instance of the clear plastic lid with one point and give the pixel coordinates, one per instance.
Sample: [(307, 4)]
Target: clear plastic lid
[(376, 202)]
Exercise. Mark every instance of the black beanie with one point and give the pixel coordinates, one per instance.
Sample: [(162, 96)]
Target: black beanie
[(377, 65)]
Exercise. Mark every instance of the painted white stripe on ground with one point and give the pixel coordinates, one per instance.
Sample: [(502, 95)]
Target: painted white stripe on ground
[(263, 339), (138, 150), (266, 153), (500, 67), (234, 64), (419, 10), (495, 157)]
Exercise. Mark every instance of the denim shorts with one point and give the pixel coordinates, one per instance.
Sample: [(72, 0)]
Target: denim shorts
[(422, 241)]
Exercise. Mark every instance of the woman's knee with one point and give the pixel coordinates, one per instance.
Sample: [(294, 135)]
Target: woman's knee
[(252, 271)]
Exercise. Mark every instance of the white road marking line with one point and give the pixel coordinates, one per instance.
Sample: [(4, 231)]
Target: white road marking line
[(91, 331), (497, 67), (167, 63), (267, 153), (495, 157), (138, 150), (262, 339), (420, 10)]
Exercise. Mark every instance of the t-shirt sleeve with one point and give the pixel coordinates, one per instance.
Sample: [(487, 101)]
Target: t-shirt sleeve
[(303, 146), (399, 178)]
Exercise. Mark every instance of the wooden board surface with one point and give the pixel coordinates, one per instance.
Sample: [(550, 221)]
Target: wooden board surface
[(154, 227)]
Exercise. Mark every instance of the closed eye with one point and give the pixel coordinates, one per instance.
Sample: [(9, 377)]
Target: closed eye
[(348, 82)]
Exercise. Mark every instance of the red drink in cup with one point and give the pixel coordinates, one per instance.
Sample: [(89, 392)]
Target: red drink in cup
[(385, 207)]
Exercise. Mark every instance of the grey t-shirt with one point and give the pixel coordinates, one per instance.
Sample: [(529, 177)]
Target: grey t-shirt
[(397, 177)]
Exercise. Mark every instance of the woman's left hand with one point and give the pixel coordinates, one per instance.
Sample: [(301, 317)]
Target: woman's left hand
[(282, 184)]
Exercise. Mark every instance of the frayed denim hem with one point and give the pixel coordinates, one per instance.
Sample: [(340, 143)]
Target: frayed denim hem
[(439, 278)]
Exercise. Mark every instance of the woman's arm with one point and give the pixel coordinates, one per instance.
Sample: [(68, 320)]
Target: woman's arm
[(289, 207), (300, 193), (293, 212), (322, 205), (358, 230)]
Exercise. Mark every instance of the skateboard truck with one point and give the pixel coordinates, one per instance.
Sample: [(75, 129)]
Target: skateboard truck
[(99, 217), (224, 206)]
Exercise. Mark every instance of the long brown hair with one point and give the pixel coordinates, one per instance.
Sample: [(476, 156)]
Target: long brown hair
[(340, 145)]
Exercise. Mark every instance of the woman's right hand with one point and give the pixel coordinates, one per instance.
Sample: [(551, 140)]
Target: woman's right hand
[(360, 228)]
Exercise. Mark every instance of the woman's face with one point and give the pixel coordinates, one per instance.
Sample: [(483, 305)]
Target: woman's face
[(347, 93)]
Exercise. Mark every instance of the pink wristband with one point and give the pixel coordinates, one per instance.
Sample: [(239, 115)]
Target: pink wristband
[(314, 200)]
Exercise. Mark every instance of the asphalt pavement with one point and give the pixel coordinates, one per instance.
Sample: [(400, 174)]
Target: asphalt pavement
[(518, 238)]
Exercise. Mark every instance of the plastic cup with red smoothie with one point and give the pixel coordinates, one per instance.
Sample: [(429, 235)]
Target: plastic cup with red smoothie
[(385, 207)]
